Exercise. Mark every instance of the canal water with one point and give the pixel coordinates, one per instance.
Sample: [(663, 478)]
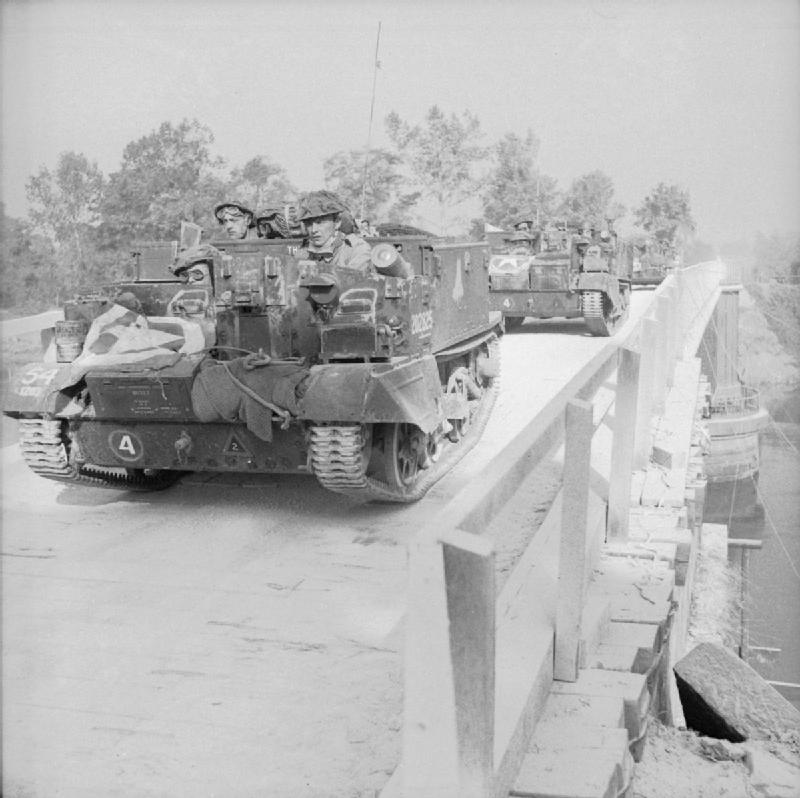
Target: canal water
[(768, 509)]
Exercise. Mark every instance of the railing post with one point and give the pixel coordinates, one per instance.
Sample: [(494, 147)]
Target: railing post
[(572, 549), (469, 575), (681, 327), (430, 742), (670, 325), (646, 400), (660, 376), (448, 728), (625, 423)]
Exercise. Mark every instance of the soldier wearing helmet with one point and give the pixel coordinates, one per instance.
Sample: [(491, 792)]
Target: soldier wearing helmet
[(524, 225), (519, 243), (193, 265), (323, 215), (237, 219), (272, 223)]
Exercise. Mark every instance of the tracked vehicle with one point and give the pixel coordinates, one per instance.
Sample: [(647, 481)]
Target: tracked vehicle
[(565, 275), (652, 261), (376, 383)]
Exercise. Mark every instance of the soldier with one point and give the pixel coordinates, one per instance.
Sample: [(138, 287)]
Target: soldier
[(237, 219), (524, 225), (272, 223), (194, 265), (520, 243), (322, 213)]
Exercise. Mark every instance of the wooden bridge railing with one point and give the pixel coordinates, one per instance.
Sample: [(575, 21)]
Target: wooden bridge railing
[(478, 665)]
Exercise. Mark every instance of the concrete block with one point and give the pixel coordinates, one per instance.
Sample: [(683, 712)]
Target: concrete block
[(562, 711), (614, 658), (630, 687), (770, 776), (642, 635), (640, 591), (722, 696), (553, 774)]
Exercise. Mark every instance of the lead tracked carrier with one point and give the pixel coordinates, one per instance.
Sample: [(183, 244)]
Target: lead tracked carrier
[(564, 276), (374, 383)]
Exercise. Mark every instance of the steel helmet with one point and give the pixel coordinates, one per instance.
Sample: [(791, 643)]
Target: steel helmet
[(231, 204), (275, 219), (320, 203)]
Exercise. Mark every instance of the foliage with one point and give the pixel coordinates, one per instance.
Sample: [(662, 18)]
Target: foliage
[(666, 213), (166, 176), (514, 188), (441, 155), (590, 201), (776, 256), (697, 251), (27, 260), (373, 176), (65, 203), (260, 183)]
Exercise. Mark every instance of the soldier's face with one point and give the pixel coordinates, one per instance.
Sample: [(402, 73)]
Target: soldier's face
[(235, 224), (322, 229)]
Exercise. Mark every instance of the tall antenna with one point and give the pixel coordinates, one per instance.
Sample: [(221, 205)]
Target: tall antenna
[(369, 129)]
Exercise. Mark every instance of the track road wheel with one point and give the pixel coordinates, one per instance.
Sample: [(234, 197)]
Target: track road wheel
[(405, 451), (457, 384)]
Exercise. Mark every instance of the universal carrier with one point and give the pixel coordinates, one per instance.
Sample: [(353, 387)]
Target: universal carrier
[(375, 384), (564, 275)]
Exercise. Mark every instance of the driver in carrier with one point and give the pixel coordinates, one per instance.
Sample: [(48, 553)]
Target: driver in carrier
[(322, 214)]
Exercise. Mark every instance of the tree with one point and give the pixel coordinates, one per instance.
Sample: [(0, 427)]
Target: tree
[(665, 213), (373, 176), (514, 186), (65, 203), (590, 201), (260, 183), (166, 176), (28, 273), (441, 155)]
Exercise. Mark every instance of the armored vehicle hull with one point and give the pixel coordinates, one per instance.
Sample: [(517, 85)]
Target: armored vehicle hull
[(374, 381), (590, 284)]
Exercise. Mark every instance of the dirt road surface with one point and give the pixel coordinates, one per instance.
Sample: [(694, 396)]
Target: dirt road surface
[(233, 636)]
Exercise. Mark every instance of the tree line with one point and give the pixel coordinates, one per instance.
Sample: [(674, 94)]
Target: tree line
[(82, 223)]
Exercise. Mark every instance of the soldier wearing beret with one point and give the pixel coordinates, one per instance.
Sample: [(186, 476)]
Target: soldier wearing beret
[(323, 215), (237, 219)]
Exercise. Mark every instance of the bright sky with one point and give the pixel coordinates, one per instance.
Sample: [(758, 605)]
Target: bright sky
[(703, 93)]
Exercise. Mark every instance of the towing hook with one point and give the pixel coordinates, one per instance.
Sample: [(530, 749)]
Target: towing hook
[(183, 446)]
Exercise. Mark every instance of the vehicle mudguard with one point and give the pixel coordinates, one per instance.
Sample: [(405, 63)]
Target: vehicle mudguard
[(601, 281), (409, 391)]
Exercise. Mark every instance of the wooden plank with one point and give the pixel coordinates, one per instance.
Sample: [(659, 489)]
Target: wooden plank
[(619, 490), (572, 549), (645, 401), (663, 309), (469, 576), (430, 740), (473, 507)]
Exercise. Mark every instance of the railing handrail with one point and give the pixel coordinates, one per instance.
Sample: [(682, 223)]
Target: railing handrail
[(449, 729)]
